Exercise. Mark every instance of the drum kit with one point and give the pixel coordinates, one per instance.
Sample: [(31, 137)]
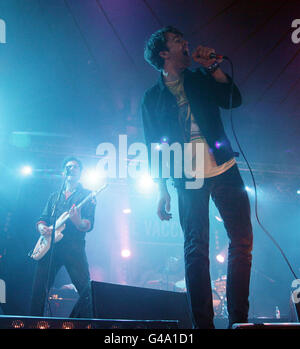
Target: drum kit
[(168, 282), (219, 297), (218, 294)]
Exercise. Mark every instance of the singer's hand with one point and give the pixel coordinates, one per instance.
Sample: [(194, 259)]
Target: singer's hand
[(164, 206), (201, 56)]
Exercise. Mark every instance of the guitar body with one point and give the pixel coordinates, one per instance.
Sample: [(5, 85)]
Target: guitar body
[(44, 242)]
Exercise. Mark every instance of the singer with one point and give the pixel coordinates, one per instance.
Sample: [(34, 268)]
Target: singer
[(70, 251), (184, 107)]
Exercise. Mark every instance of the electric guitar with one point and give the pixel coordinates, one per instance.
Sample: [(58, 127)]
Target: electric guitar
[(44, 242)]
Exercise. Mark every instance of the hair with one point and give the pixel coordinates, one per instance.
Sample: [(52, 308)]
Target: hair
[(157, 43), (72, 158)]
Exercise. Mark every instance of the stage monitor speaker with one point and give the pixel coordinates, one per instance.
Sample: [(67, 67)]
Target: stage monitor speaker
[(114, 301)]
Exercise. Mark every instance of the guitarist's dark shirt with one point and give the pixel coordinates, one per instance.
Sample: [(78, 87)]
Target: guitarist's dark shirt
[(87, 212)]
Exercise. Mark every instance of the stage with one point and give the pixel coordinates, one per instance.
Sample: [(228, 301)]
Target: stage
[(74, 76)]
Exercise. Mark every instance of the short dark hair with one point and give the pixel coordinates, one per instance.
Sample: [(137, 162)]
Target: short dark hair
[(157, 43), (72, 158)]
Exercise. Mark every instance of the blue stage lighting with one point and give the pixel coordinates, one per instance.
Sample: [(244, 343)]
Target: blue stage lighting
[(26, 170), (125, 253), (93, 179), (146, 183)]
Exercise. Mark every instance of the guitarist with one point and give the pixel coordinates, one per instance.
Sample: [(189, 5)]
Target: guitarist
[(70, 250)]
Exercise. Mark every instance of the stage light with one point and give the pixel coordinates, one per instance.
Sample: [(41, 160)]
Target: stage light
[(43, 325), (146, 183), (298, 191), (93, 179), (218, 145), (125, 253), (67, 325), (17, 324), (127, 210), (220, 258), (26, 170)]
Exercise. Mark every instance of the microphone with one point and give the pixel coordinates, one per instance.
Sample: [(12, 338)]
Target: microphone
[(216, 56), (68, 171)]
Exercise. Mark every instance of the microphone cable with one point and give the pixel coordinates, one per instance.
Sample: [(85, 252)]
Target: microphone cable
[(251, 173)]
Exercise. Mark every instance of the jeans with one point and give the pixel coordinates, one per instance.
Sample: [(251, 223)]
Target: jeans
[(230, 197), (72, 255)]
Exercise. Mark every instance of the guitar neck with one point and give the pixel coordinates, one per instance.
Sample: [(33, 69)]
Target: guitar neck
[(62, 221), (85, 200)]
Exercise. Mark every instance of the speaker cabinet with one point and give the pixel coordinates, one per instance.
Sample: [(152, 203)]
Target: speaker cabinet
[(113, 301)]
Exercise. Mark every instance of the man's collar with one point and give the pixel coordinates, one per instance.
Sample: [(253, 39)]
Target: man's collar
[(78, 187), (161, 82)]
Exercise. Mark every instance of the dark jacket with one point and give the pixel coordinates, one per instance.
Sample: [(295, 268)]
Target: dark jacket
[(205, 95), (87, 212)]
